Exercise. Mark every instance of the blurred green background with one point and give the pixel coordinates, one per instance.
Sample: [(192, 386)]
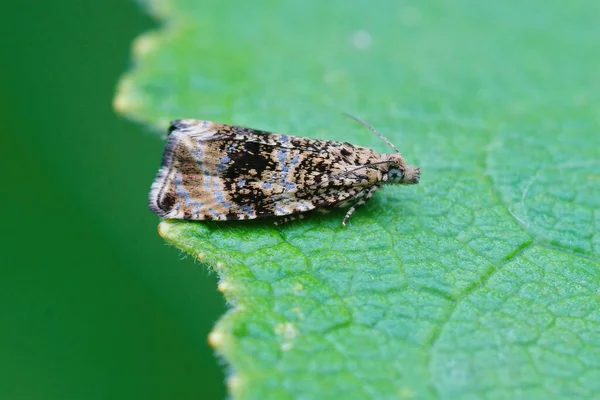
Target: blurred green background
[(93, 304)]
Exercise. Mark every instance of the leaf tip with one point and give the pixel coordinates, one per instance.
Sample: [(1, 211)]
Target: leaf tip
[(143, 45), (216, 339), (225, 286), (126, 101), (235, 384), (167, 229)]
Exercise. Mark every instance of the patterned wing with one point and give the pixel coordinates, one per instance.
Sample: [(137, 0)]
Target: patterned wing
[(222, 172)]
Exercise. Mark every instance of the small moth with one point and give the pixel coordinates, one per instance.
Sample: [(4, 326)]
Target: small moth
[(214, 171)]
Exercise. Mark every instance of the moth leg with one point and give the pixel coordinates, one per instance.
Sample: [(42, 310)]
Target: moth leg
[(363, 199), (288, 218)]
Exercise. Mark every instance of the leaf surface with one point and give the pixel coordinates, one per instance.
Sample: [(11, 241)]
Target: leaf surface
[(480, 282)]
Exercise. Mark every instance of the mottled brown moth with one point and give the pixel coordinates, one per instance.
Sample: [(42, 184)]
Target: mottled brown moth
[(214, 171)]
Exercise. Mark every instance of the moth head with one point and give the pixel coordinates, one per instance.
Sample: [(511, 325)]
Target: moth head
[(394, 170), (400, 173)]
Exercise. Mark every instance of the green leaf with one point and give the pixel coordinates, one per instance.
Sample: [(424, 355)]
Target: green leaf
[(480, 282)]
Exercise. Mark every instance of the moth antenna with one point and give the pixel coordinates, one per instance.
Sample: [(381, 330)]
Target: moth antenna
[(360, 121)]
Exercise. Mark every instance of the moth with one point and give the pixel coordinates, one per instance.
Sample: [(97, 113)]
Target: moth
[(213, 171)]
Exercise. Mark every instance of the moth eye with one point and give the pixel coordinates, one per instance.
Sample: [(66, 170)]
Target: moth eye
[(395, 173)]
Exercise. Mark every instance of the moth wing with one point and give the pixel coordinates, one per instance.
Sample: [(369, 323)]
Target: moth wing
[(289, 203), (213, 171), (216, 171)]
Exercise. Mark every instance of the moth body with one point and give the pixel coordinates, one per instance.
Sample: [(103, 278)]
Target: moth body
[(214, 171)]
